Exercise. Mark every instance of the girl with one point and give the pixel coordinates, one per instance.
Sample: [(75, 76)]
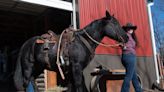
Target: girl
[(129, 59)]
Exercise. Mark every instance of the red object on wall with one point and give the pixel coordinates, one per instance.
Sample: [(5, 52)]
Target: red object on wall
[(133, 11)]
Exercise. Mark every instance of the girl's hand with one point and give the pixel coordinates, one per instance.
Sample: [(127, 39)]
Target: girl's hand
[(120, 44)]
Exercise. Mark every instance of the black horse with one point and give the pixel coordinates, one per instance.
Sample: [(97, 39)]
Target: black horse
[(33, 58)]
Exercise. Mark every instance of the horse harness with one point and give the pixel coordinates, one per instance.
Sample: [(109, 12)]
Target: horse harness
[(63, 42), (66, 38)]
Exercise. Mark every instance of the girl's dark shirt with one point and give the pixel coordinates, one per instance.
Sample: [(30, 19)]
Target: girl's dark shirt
[(129, 46)]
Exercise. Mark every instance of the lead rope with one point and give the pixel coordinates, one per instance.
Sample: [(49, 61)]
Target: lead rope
[(58, 53), (99, 43)]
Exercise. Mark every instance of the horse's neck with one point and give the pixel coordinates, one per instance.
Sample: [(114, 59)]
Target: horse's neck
[(94, 34)]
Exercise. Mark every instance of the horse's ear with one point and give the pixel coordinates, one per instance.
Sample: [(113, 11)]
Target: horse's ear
[(108, 15)]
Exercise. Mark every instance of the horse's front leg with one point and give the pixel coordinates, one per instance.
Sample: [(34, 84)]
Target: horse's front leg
[(78, 77)]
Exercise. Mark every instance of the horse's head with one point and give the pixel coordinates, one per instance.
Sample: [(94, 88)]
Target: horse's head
[(113, 29)]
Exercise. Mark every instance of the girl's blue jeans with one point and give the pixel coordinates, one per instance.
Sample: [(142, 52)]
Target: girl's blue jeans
[(129, 62)]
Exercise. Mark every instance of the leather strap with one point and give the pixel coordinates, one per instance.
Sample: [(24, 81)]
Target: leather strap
[(86, 44)]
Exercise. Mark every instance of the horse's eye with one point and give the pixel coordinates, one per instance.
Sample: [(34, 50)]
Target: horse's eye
[(115, 22)]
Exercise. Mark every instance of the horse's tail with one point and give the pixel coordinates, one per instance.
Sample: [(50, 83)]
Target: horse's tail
[(18, 77)]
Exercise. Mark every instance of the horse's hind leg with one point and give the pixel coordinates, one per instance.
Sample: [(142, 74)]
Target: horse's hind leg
[(35, 86), (28, 77)]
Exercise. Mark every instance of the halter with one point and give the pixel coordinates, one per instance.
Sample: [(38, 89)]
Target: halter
[(102, 44), (117, 32)]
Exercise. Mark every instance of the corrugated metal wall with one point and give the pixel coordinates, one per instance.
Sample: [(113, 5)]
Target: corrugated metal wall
[(125, 11)]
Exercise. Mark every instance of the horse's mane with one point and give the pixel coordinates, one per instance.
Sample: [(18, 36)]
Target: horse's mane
[(91, 26)]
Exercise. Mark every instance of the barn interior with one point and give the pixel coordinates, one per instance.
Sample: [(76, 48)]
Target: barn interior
[(20, 21)]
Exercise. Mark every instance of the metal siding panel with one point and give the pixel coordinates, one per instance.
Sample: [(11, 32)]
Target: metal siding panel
[(125, 11), (90, 10)]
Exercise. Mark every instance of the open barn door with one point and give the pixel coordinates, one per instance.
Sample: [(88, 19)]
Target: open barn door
[(48, 80), (23, 19)]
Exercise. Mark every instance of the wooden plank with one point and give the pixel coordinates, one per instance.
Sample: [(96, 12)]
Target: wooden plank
[(117, 70), (40, 82), (159, 65), (51, 79), (115, 86)]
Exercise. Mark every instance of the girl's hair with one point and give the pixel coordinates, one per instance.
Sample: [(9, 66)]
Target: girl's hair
[(134, 37)]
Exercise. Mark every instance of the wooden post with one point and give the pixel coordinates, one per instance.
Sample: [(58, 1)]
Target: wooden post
[(159, 65), (51, 79), (161, 69)]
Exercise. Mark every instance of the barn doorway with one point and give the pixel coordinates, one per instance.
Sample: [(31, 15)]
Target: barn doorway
[(19, 22)]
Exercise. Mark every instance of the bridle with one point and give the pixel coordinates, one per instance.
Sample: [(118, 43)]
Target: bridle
[(102, 44), (119, 36)]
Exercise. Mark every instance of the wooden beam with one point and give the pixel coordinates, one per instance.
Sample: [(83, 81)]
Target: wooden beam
[(52, 3)]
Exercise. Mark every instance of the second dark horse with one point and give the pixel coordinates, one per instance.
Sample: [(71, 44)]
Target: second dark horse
[(32, 58)]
